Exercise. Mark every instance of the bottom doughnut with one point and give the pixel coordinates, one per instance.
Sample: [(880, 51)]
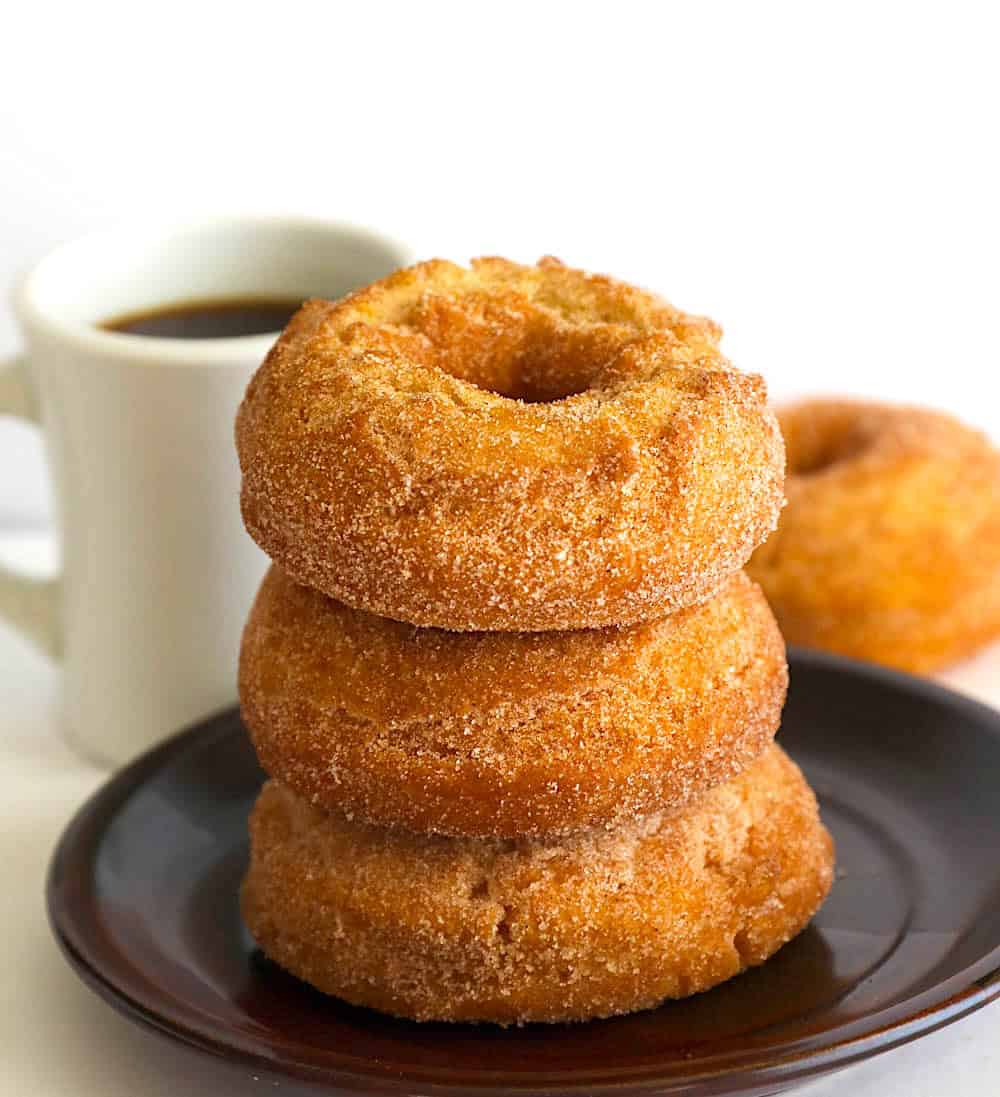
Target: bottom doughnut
[(509, 931)]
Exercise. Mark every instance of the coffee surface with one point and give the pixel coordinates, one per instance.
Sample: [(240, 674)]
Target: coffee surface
[(219, 318)]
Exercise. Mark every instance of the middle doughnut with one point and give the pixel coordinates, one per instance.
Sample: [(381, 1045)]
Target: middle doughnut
[(507, 734)]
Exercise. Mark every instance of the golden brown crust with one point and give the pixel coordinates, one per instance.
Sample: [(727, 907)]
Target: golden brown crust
[(599, 924), (507, 734), (889, 548), (392, 458)]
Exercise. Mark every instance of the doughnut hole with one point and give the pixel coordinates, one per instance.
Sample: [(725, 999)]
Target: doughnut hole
[(816, 446), (515, 347)]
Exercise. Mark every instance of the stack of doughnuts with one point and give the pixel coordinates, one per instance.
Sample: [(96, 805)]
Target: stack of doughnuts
[(515, 696)]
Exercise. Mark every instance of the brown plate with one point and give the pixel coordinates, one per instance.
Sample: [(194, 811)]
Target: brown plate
[(142, 898)]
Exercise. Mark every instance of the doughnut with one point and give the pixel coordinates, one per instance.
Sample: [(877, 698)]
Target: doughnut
[(889, 548), (507, 734), (506, 447), (604, 922)]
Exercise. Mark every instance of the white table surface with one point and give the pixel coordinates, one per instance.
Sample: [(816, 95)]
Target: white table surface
[(57, 1038)]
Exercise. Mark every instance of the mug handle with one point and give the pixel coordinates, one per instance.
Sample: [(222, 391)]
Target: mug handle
[(30, 605)]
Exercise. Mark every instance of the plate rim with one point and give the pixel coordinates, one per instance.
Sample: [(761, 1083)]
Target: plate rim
[(947, 1001)]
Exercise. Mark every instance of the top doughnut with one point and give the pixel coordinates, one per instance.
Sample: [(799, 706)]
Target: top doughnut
[(506, 447)]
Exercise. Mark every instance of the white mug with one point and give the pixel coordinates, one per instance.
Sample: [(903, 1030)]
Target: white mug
[(158, 574)]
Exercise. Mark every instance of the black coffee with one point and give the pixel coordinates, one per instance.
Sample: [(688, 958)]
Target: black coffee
[(222, 318)]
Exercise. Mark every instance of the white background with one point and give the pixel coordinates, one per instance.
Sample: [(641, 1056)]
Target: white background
[(823, 179)]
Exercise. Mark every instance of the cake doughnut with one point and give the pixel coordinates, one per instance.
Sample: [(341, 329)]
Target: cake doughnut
[(601, 923), (506, 447), (889, 548), (507, 734)]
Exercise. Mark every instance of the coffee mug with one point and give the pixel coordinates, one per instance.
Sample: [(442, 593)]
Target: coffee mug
[(157, 574)]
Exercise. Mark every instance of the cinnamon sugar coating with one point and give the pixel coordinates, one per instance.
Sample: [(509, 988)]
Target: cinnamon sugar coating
[(507, 734), (504, 931), (889, 548), (506, 447)]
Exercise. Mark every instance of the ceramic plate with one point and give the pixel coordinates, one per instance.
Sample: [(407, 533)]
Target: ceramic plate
[(143, 900)]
